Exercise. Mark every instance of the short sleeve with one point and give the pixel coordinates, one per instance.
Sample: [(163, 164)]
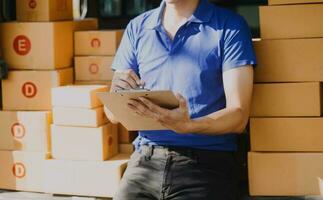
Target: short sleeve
[(125, 57), (238, 48)]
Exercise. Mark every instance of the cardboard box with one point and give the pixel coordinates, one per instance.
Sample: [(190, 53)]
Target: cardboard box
[(286, 134), (9, 195), (77, 96), (126, 148), (44, 10), (80, 143), (284, 2), (284, 174), (125, 136), (93, 68), (321, 185), (286, 100), (26, 131), (97, 43), (99, 179), (290, 60), (291, 21), (66, 116), (31, 90), (106, 83), (21, 170), (41, 45)]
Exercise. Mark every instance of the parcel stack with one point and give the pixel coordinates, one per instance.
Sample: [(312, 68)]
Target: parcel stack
[(286, 127), (38, 49), (84, 157), (125, 139), (94, 54)]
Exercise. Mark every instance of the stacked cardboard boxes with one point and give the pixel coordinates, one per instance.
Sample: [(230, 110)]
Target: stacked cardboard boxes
[(39, 52), (125, 139), (84, 145), (95, 52), (286, 125)]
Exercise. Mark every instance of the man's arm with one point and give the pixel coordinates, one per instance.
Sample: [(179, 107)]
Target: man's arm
[(238, 85)]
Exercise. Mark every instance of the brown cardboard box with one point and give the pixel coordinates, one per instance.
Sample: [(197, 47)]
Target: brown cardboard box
[(286, 100), (21, 170), (26, 131), (106, 83), (286, 134), (285, 174), (30, 90), (80, 143), (126, 148), (283, 2), (291, 21), (77, 96), (100, 179), (42, 45), (321, 185), (66, 116), (97, 43), (93, 68), (44, 10), (290, 60), (125, 136)]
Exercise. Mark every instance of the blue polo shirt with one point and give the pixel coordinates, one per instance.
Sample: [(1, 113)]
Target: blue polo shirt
[(212, 41)]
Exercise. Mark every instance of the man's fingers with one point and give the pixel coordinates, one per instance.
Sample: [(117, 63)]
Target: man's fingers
[(134, 108), (142, 109), (182, 102), (153, 107), (134, 76), (128, 78), (123, 84)]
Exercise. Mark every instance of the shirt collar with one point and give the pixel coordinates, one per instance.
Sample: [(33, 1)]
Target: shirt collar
[(202, 14)]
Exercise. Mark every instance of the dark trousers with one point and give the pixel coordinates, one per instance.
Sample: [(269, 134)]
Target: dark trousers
[(163, 173)]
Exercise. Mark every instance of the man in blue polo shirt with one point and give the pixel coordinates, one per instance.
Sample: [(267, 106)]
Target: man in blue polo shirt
[(204, 54)]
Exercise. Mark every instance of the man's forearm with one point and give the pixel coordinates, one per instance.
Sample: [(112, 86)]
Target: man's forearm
[(228, 120)]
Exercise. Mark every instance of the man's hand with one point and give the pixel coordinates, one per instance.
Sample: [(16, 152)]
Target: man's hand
[(123, 80), (177, 119)]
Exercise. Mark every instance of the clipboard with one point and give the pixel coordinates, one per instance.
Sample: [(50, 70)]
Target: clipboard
[(116, 102)]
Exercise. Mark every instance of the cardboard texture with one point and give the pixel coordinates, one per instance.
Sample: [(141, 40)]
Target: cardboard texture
[(44, 10), (25, 131), (106, 83), (321, 186), (93, 68), (125, 136), (80, 143), (97, 43), (100, 179), (286, 134), (77, 96), (283, 2), (286, 100), (116, 103), (83, 117), (291, 21), (290, 60), (21, 171), (30, 90), (284, 174), (126, 148), (41, 45), (9, 195)]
